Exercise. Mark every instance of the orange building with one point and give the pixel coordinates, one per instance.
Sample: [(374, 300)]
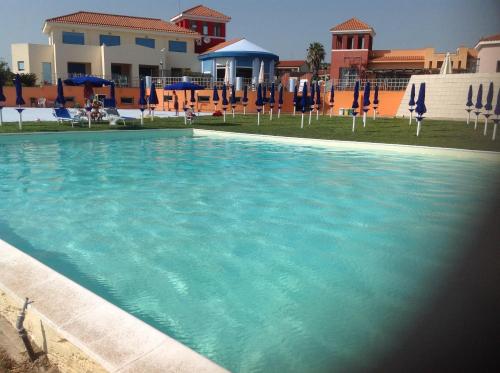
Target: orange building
[(353, 56)]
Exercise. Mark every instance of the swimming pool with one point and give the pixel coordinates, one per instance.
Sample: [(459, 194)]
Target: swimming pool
[(259, 255)]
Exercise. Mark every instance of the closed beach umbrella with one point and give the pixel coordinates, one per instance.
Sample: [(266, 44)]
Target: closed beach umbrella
[(366, 102), (280, 100), (233, 98), (153, 100), (318, 99), (142, 99), (375, 102), (332, 98), (19, 99), (2, 102), (259, 103), (355, 105), (271, 101), (60, 100), (112, 95), (215, 97), (244, 100), (224, 100), (304, 103), (411, 103), (488, 107), (311, 101), (420, 109), (295, 95), (497, 114), (469, 103), (479, 104)]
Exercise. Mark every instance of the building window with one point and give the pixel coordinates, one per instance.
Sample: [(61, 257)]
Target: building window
[(350, 42), (194, 25), (205, 28), (73, 38), (109, 40), (217, 30), (78, 68), (20, 65), (477, 65), (177, 46), (498, 66), (339, 42), (145, 42)]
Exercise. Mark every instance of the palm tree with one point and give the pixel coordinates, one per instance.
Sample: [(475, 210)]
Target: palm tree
[(315, 56)]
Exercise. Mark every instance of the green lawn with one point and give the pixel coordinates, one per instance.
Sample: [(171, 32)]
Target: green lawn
[(439, 133)]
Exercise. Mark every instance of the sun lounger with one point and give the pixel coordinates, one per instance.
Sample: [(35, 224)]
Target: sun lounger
[(64, 116), (113, 116)]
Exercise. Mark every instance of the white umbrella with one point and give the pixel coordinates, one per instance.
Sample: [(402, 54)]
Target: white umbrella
[(446, 68), (226, 73), (261, 81)]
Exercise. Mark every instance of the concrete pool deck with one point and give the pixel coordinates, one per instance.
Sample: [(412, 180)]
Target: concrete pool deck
[(80, 331)]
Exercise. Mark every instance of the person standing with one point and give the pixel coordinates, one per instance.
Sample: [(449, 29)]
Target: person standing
[(176, 104)]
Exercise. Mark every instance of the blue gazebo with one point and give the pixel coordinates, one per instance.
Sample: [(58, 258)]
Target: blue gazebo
[(244, 59)]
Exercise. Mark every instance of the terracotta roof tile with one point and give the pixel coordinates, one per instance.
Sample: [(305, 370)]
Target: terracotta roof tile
[(351, 25), (203, 11), (114, 20), (398, 59), (291, 63), (491, 38)]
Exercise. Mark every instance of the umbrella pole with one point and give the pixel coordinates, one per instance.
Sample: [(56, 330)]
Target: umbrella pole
[(271, 114), (353, 123), (418, 127), (410, 118), (258, 118), (1, 118), (142, 118), (317, 114), (224, 116), (485, 126), (20, 120), (494, 132), (294, 108), (310, 115), (364, 119), (475, 123), (468, 118), (244, 110), (331, 109), (302, 121), (233, 113), (279, 113)]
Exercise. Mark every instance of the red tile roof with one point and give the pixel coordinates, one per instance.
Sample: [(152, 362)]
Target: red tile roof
[(203, 11), (351, 25), (114, 20), (490, 38), (398, 59), (291, 63)]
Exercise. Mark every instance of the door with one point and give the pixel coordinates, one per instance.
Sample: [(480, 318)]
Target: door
[(47, 72)]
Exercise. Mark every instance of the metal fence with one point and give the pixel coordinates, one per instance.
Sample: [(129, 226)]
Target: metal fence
[(386, 84)]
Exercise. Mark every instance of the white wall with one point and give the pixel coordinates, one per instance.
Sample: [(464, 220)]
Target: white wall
[(446, 95), (489, 55)]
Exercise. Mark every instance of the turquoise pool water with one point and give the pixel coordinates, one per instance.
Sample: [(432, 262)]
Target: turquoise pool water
[(260, 256)]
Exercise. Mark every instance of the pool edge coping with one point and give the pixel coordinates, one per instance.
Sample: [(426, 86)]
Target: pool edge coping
[(50, 282)]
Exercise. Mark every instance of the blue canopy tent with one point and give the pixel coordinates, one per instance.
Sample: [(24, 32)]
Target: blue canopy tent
[(304, 103), (215, 97), (271, 101), (2, 102), (94, 81), (375, 102), (479, 104), (183, 86), (497, 118), (233, 98), (259, 102), (488, 107), (60, 100), (224, 100), (318, 100), (332, 98), (244, 100), (411, 103), (355, 105), (152, 100), (280, 100), (19, 99), (142, 99), (366, 101), (295, 98), (420, 109), (311, 101), (469, 104)]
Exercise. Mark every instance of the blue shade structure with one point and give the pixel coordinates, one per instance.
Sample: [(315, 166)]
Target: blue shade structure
[(94, 81), (244, 100), (420, 109), (215, 97), (60, 100), (259, 102), (332, 98), (153, 100), (469, 103), (19, 99), (355, 105), (225, 102), (280, 100), (366, 101), (411, 103), (488, 107), (304, 103), (375, 102), (479, 104), (142, 99)]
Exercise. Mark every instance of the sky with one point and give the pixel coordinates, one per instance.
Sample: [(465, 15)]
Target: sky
[(285, 27)]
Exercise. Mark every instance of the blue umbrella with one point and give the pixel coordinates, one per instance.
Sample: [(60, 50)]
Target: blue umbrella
[(2, 102), (19, 99), (311, 101), (411, 103), (295, 95), (271, 101), (244, 100), (259, 102), (153, 100), (142, 99), (332, 98), (224, 100), (366, 101), (183, 86), (479, 104), (488, 107), (375, 102), (318, 100), (112, 96), (233, 98), (94, 81), (280, 100), (60, 100), (469, 97), (304, 103), (355, 105), (215, 97), (497, 113), (420, 109)]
